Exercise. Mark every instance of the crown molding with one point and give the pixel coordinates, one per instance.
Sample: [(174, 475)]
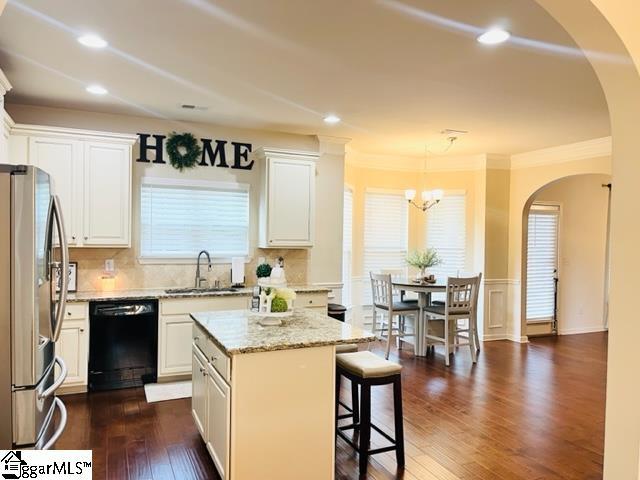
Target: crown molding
[(264, 152), (399, 163), (332, 145), (498, 162), (80, 134), (598, 147), (5, 85)]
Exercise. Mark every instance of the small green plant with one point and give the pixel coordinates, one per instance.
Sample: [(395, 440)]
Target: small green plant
[(278, 305), (263, 270), (423, 259)]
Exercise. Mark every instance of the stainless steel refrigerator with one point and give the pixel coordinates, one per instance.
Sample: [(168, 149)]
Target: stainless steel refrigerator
[(32, 247)]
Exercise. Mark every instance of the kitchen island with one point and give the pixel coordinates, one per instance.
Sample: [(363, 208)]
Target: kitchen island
[(263, 396)]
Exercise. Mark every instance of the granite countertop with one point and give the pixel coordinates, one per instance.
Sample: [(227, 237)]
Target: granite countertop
[(158, 293), (238, 331)]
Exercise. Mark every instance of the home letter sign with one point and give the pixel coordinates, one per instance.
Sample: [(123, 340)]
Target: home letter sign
[(214, 152)]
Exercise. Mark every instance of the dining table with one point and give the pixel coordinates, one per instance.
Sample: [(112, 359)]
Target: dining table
[(424, 291)]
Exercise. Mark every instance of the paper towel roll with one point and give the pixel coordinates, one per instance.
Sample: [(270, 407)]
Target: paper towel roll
[(237, 270)]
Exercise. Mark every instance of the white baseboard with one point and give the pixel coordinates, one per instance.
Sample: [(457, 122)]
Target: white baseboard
[(492, 337), (579, 330)]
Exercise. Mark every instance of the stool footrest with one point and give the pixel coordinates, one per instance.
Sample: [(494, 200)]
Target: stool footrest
[(356, 426)]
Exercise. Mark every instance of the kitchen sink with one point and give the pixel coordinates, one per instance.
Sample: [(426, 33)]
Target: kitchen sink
[(171, 291)]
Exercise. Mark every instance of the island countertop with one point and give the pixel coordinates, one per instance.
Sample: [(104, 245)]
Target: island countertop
[(238, 331)]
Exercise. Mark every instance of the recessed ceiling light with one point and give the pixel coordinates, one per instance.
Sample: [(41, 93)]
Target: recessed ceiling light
[(92, 41), (494, 36), (332, 119), (97, 90)]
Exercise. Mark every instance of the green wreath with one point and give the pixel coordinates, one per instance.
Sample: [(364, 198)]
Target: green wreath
[(192, 150)]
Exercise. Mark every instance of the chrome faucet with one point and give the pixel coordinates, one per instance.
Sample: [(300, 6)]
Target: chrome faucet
[(198, 279)]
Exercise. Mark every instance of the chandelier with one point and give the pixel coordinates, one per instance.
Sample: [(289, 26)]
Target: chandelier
[(429, 198)]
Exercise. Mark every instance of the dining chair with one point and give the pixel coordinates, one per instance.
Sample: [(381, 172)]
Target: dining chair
[(461, 303), (382, 300)]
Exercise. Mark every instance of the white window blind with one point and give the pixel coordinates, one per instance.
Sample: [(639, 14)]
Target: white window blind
[(347, 246), (385, 234), (542, 261), (180, 218), (447, 233)]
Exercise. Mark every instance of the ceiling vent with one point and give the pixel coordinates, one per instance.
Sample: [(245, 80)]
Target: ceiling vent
[(189, 106)]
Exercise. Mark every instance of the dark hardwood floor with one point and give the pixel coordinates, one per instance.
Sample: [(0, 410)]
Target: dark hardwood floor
[(531, 411)]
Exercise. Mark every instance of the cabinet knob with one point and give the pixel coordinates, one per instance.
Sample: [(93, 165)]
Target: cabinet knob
[(86, 238), (69, 313), (73, 237), (82, 330), (214, 359)]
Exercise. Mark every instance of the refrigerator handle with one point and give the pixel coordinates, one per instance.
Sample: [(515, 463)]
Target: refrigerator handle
[(61, 425), (63, 374), (64, 267)]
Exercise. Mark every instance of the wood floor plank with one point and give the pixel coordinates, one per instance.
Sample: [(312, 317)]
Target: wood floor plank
[(532, 411)]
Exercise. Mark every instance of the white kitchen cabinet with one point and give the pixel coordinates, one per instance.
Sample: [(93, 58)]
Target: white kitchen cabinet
[(199, 391), (316, 301), (218, 416), (62, 159), (73, 347), (91, 173), (107, 196), (175, 345), (174, 332), (287, 198)]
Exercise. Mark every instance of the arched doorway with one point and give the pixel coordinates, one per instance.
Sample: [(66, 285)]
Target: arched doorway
[(611, 26), (565, 256)]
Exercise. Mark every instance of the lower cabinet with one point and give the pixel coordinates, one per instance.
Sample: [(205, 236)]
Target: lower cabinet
[(174, 340), (174, 332), (199, 393), (211, 401), (315, 301), (218, 416), (73, 347)]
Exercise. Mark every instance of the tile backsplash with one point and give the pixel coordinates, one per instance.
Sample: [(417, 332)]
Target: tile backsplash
[(131, 274)]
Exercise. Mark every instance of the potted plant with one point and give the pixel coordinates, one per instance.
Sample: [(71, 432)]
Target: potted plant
[(263, 272), (423, 259)]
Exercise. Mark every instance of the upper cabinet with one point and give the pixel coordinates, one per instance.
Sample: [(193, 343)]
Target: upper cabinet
[(91, 173), (107, 197), (287, 198)]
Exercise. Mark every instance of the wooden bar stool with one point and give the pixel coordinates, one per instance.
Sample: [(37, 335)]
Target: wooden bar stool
[(365, 370)]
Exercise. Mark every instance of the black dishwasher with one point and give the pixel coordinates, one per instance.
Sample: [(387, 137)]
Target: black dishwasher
[(123, 344)]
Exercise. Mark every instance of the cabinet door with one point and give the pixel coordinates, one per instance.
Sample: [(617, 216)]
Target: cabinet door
[(62, 160), (218, 415), (174, 354), (72, 347), (291, 202), (199, 394), (107, 194)]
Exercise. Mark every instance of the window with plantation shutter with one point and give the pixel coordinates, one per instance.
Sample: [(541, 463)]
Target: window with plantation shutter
[(385, 234), (447, 233), (178, 219), (347, 246), (542, 262)]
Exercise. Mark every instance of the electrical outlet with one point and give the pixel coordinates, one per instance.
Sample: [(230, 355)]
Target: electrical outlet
[(109, 265)]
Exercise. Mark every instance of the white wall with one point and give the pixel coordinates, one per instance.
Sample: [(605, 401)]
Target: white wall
[(582, 250)]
